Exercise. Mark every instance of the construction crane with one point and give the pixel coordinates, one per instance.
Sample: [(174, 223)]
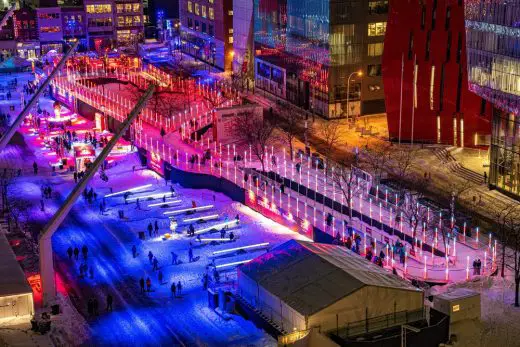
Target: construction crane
[(18, 121), (45, 242)]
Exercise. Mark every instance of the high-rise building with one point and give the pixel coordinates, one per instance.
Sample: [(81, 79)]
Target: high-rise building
[(309, 53), (50, 29), (425, 76), (207, 31), (129, 22), (493, 50)]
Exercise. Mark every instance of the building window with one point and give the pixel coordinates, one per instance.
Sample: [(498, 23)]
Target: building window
[(99, 8), (230, 30), (448, 18), (230, 12), (211, 13), (428, 44), (374, 70), (423, 17), (375, 49), (459, 91), (410, 46), (230, 40), (378, 7), (376, 29), (204, 14), (432, 87), (448, 47), (53, 29), (434, 13), (210, 30), (459, 48), (197, 9), (203, 26), (190, 7), (441, 90), (190, 23), (211, 1), (196, 24)]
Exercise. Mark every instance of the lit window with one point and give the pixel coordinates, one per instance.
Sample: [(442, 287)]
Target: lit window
[(204, 11), (136, 7), (231, 31), (231, 39), (211, 1), (211, 13), (376, 29), (230, 12), (190, 7), (197, 9), (375, 49), (456, 308)]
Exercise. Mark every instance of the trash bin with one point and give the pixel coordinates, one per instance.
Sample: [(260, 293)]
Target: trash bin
[(34, 325), (55, 309), (142, 235)]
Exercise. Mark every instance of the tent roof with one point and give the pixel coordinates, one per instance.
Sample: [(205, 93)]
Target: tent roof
[(311, 276), (12, 277)]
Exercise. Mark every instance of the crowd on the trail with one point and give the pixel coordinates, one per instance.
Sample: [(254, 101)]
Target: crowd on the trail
[(87, 271)]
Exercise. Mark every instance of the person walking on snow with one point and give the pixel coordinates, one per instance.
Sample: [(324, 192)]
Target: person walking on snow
[(148, 284), (179, 288), (91, 271), (35, 168), (156, 228), (155, 263), (160, 277), (84, 251), (69, 252), (173, 289), (109, 302), (174, 258), (76, 252), (141, 284), (150, 257), (190, 254), (150, 229), (134, 251)]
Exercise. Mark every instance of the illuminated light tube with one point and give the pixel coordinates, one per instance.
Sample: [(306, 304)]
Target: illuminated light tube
[(200, 208), (128, 190), (158, 195), (165, 203), (216, 226), (218, 239), (241, 248), (210, 217), (233, 263)]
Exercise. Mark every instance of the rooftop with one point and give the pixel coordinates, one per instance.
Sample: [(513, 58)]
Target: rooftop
[(311, 276), (12, 277)]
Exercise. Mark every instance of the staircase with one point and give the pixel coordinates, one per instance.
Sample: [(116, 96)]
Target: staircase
[(444, 155)]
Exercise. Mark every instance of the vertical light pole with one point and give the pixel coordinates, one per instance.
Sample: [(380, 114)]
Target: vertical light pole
[(359, 73)]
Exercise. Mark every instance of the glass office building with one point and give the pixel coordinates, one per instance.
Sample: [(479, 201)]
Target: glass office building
[(306, 50), (493, 48)]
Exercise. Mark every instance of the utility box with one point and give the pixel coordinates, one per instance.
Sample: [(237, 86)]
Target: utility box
[(460, 304)]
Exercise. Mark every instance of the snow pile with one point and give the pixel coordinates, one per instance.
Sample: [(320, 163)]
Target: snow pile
[(69, 328)]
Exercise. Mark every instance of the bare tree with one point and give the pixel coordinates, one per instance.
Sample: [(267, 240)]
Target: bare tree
[(376, 158), (290, 126), (330, 133), (502, 217), (513, 223), (257, 132), (346, 180)]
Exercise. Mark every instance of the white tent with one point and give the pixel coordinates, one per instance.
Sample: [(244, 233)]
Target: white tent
[(300, 285), (16, 296)]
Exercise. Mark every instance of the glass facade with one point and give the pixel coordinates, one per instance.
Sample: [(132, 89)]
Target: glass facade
[(493, 48), (317, 44)]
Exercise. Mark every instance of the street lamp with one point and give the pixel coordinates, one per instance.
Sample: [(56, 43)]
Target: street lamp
[(360, 74)]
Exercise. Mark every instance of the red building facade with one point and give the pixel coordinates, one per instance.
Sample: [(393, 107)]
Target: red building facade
[(425, 76)]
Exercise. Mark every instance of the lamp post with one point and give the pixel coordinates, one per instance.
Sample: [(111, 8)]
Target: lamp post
[(359, 73)]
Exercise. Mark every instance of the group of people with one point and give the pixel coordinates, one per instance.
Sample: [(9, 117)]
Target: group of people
[(84, 269), (89, 195), (93, 305), (153, 230)]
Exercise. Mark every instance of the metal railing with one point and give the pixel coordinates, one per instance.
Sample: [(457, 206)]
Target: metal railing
[(378, 323)]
